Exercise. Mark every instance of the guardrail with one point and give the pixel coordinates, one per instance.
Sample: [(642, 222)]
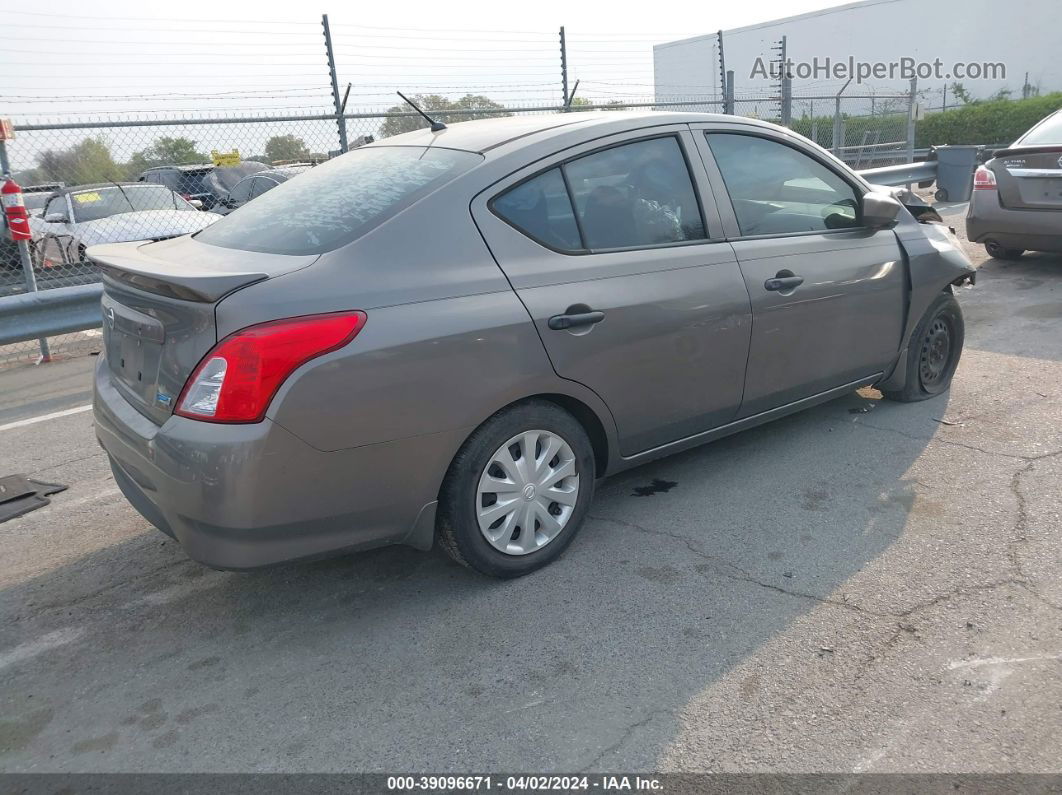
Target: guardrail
[(48, 313), (901, 174)]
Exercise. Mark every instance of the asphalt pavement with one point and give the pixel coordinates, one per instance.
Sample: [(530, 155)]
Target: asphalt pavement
[(867, 586)]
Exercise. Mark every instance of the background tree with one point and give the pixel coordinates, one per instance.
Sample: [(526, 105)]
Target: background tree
[(286, 147), (84, 163), (437, 107), (166, 151)]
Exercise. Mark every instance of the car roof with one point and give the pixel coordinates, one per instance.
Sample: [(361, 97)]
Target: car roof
[(99, 185), (483, 135), (283, 171), (192, 167)]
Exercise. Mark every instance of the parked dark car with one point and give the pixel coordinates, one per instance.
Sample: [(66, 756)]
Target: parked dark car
[(1016, 204), (206, 183), (489, 318), (255, 185), (184, 180)]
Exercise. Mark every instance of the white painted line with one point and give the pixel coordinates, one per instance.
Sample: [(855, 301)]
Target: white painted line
[(45, 417), (983, 661), (52, 640)]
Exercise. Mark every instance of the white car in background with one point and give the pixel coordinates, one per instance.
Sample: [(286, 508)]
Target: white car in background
[(114, 212)]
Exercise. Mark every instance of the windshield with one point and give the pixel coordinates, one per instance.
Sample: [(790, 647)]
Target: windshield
[(338, 201), (1048, 132), (91, 205)]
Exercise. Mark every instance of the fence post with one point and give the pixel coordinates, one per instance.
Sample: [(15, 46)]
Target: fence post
[(724, 76), (838, 123), (341, 123), (911, 119), (564, 69), (728, 100), (24, 254), (785, 86)]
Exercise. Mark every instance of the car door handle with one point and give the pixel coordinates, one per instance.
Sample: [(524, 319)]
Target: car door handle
[(575, 320), (784, 280)]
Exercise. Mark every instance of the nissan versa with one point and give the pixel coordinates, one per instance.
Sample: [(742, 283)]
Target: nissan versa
[(451, 335)]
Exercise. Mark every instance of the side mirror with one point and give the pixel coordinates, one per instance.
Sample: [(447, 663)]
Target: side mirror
[(880, 211), (56, 218), (197, 203)]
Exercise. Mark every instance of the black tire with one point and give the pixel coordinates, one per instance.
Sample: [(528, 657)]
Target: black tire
[(456, 522), (933, 352), (998, 251), (941, 195)]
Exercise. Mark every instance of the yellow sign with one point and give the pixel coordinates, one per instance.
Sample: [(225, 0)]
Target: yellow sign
[(225, 158), (85, 198)]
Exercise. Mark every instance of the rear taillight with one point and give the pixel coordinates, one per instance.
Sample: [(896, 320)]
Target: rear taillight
[(236, 381), (984, 179)]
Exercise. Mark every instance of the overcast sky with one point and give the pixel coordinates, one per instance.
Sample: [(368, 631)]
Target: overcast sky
[(61, 61)]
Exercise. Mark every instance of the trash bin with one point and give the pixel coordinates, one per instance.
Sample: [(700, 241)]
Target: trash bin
[(955, 170)]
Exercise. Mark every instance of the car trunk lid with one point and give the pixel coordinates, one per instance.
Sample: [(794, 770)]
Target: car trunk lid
[(159, 302), (1029, 177)]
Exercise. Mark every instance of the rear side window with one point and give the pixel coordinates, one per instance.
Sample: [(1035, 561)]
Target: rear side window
[(1048, 132), (637, 194), (627, 196), (541, 209), (777, 190), (338, 201)]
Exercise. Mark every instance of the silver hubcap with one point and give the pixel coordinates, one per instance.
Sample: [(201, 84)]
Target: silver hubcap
[(527, 492)]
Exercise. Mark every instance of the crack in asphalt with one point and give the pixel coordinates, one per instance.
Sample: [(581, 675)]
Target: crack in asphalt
[(629, 731), (953, 443)]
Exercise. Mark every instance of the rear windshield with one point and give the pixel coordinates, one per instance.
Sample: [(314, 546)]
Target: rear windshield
[(338, 201), (1049, 132)]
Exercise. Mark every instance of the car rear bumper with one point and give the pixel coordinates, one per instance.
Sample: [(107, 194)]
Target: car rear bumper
[(245, 496), (1034, 230)]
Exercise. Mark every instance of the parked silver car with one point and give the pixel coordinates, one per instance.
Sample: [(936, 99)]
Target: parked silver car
[(112, 212), (1016, 204), (452, 335)]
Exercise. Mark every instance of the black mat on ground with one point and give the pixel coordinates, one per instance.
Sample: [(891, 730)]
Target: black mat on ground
[(19, 495)]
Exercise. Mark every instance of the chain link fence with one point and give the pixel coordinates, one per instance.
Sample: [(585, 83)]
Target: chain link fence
[(151, 178)]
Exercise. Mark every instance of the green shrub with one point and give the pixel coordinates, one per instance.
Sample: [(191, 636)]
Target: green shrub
[(995, 122)]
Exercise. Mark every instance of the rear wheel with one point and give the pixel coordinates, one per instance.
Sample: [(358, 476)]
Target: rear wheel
[(998, 251), (518, 491), (933, 352)]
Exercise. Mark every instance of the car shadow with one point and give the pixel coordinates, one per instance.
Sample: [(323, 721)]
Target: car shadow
[(395, 660)]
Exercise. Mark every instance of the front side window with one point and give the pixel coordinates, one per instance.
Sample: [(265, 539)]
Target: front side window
[(776, 189), (56, 206), (338, 201), (242, 191), (260, 185), (637, 194), (541, 209)]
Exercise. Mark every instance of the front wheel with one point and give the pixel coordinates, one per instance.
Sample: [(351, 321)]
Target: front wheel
[(933, 352), (518, 491)]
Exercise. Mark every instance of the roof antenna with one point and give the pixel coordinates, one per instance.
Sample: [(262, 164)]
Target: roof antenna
[(571, 96), (436, 126)]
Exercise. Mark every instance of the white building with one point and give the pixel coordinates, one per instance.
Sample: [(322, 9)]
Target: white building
[(1022, 35)]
